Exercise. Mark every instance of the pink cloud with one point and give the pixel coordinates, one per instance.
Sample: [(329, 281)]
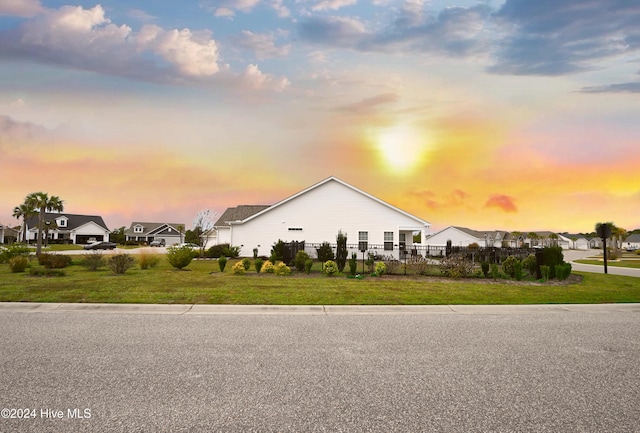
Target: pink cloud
[(503, 202)]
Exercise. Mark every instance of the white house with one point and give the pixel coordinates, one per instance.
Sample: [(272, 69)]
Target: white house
[(577, 241), (69, 228), (172, 233), (8, 235), (632, 242), (463, 237), (315, 215)]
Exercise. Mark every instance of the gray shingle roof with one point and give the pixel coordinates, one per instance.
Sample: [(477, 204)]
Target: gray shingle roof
[(239, 213), (633, 238), (73, 221)]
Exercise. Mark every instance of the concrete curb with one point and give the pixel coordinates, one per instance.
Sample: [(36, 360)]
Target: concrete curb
[(311, 310)]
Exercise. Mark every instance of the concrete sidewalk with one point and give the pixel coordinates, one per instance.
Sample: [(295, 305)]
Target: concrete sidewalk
[(310, 310)]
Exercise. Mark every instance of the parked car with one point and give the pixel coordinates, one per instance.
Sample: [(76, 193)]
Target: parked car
[(157, 243), (102, 245), (189, 245)]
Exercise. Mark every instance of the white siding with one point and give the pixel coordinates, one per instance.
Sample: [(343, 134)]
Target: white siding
[(457, 238), (320, 213)]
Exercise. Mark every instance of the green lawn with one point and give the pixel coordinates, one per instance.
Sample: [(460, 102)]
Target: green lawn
[(202, 283), (632, 263)]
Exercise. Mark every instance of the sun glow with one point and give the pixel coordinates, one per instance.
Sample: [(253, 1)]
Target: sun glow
[(401, 147)]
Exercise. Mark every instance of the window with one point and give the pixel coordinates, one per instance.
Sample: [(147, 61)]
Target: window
[(403, 241), (363, 240), (61, 222), (388, 241), (138, 229)]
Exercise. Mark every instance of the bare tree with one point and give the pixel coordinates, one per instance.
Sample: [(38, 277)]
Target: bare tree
[(203, 227)]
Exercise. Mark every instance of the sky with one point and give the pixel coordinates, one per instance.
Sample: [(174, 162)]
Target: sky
[(512, 115)]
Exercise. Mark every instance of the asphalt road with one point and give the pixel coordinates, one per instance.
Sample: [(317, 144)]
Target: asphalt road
[(321, 369)]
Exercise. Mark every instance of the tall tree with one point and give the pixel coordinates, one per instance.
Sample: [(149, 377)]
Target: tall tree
[(341, 250), (43, 203), (24, 211)]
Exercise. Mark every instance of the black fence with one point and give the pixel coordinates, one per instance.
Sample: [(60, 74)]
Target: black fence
[(478, 254)]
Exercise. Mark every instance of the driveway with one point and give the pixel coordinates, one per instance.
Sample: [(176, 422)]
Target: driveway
[(571, 255)]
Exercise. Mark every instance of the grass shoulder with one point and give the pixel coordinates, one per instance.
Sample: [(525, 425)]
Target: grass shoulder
[(202, 283)]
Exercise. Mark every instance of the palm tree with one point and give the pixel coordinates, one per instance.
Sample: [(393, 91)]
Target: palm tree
[(516, 238), (24, 211), (533, 236), (44, 203)]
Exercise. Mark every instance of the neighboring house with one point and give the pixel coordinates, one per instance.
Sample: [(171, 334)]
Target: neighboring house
[(547, 239), (8, 235), (69, 228), (595, 243), (147, 232), (577, 241), (463, 237), (632, 242), (315, 215)]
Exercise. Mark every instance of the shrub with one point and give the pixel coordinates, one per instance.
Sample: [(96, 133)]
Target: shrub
[(341, 251), (495, 272), (552, 256), (148, 260), (268, 267), (545, 271), (120, 263), (307, 266), (54, 261), (485, 269), (277, 252), (563, 271), (7, 253), (353, 264), (300, 260), (231, 251), (380, 268), (456, 266), (238, 269), (41, 271), (392, 264), (222, 262), (258, 265), (509, 266), (179, 257), (518, 270), (220, 250), (18, 264), (246, 264), (330, 267), (417, 265), (325, 252), (370, 262), (93, 261), (530, 264), (282, 269)]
